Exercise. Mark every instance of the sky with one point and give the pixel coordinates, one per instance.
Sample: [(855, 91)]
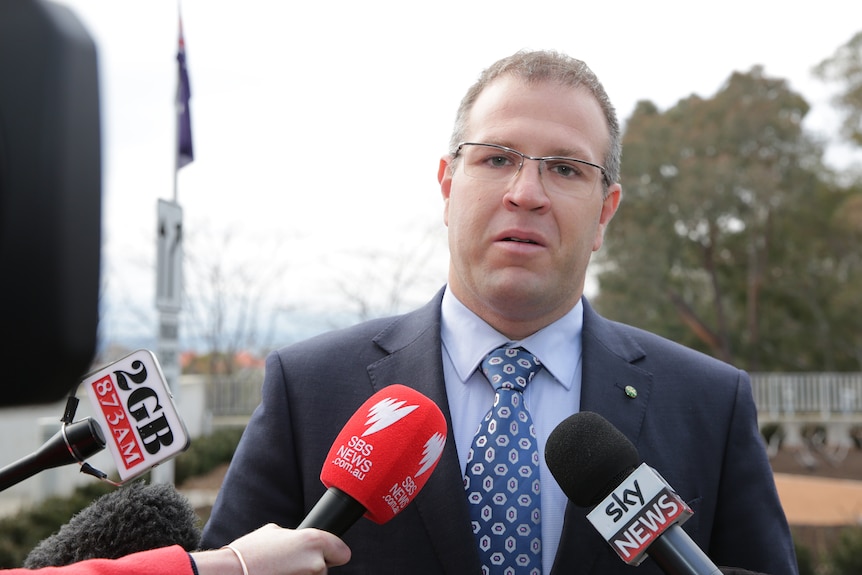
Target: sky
[(318, 126)]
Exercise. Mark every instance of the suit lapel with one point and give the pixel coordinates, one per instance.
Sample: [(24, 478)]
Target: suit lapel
[(414, 359), (612, 385), (608, 370)]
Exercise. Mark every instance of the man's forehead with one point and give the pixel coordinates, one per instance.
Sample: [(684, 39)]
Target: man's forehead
[(567, 120)]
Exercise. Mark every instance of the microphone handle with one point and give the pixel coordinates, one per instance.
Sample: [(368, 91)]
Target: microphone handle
[(677, 554), (76, 442), (335, 512)]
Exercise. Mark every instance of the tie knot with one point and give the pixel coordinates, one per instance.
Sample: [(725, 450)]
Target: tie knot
[(510, 368)]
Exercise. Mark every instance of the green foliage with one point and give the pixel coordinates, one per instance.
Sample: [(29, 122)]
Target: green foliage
[(845, 67), (733, 237), (204, 454), (23, 531), (846, 557), (804, 560)]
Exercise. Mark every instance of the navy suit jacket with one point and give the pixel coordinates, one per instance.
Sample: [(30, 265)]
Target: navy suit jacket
[(693, 420)]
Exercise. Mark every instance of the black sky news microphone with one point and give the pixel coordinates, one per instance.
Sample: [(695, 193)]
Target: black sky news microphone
[(381, 459), (635, 510)]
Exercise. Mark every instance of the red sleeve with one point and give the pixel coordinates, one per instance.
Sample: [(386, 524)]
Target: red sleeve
[(172, 560)]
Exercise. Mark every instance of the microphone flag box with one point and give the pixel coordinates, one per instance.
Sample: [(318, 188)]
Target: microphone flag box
[(637, 512), (386, 452), (135, 408)]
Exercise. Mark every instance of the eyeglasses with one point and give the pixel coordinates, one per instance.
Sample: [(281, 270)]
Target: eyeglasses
[(495, 163)]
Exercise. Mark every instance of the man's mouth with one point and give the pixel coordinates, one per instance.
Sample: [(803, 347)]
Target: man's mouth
[(519, 240)]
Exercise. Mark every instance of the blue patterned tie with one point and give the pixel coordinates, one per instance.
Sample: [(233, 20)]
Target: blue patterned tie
[(502, 478)]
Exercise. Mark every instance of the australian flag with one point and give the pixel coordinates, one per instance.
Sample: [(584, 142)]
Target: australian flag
[(185, 153)]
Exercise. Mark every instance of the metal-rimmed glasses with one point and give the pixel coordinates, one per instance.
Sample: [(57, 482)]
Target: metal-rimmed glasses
[(496, 163)]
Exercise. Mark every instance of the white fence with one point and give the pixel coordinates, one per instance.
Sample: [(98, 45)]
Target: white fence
[(830, 401), (824, 396)]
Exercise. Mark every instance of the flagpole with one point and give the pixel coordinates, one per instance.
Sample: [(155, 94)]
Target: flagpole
[(169, 250), (178, 103)]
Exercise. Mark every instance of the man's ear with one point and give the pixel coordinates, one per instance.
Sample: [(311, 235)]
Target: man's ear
[(609, 208), (444, 176)]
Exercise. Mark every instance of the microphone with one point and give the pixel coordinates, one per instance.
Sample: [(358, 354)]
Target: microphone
[(136, 517), (635, 510), (132, 401), (381, 459), (74, 442)]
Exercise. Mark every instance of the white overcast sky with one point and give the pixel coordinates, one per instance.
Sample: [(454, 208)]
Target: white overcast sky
[(320, 124)]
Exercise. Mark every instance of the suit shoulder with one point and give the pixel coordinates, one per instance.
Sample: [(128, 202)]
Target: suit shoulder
[(340, 339), (656, 349), (374, 336)]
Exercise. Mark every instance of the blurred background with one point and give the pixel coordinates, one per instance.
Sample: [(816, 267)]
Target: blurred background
[(311, 202), (317, 130)]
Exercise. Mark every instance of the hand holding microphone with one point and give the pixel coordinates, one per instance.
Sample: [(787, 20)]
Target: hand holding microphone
[(381, 459), (378, 463), (272, 550)]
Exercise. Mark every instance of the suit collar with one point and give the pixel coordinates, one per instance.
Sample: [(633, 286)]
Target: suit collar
[(413, 345), (610, 359), (610, 368)]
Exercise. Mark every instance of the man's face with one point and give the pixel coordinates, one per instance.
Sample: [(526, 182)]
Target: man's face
[(521, 286)]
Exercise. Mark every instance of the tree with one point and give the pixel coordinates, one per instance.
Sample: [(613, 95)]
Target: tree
[(722, 240), (389, 282), (237, 298), (231, 296), (846, 558), (845, 66)]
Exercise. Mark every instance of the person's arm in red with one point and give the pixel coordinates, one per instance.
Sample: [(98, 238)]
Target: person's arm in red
[(270, 550), (163, 561)]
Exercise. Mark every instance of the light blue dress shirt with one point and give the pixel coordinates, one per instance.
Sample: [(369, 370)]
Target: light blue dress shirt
[(553, 395)]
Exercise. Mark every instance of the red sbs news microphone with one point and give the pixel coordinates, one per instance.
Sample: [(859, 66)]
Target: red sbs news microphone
[(380, 460)]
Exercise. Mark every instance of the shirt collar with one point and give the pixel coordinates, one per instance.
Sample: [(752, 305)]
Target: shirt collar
[(468, 339)]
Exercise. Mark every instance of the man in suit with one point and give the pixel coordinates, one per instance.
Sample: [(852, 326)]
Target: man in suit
[(529, 187)]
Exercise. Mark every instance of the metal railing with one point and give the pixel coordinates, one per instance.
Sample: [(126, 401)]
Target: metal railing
[(778, 396), (233, 396), (821, 396)]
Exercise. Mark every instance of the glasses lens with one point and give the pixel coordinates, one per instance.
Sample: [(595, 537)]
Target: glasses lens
[(562, 175), (569, 176), (489, 163)]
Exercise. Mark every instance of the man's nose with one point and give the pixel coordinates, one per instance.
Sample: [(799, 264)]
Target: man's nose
[(527, 188)]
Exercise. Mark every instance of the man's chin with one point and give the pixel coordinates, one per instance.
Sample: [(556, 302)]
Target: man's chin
[(523, 300)]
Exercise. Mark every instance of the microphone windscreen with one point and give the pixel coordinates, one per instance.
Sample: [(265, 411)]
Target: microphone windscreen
[(136, 517), (386, 452), (589, 457)]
